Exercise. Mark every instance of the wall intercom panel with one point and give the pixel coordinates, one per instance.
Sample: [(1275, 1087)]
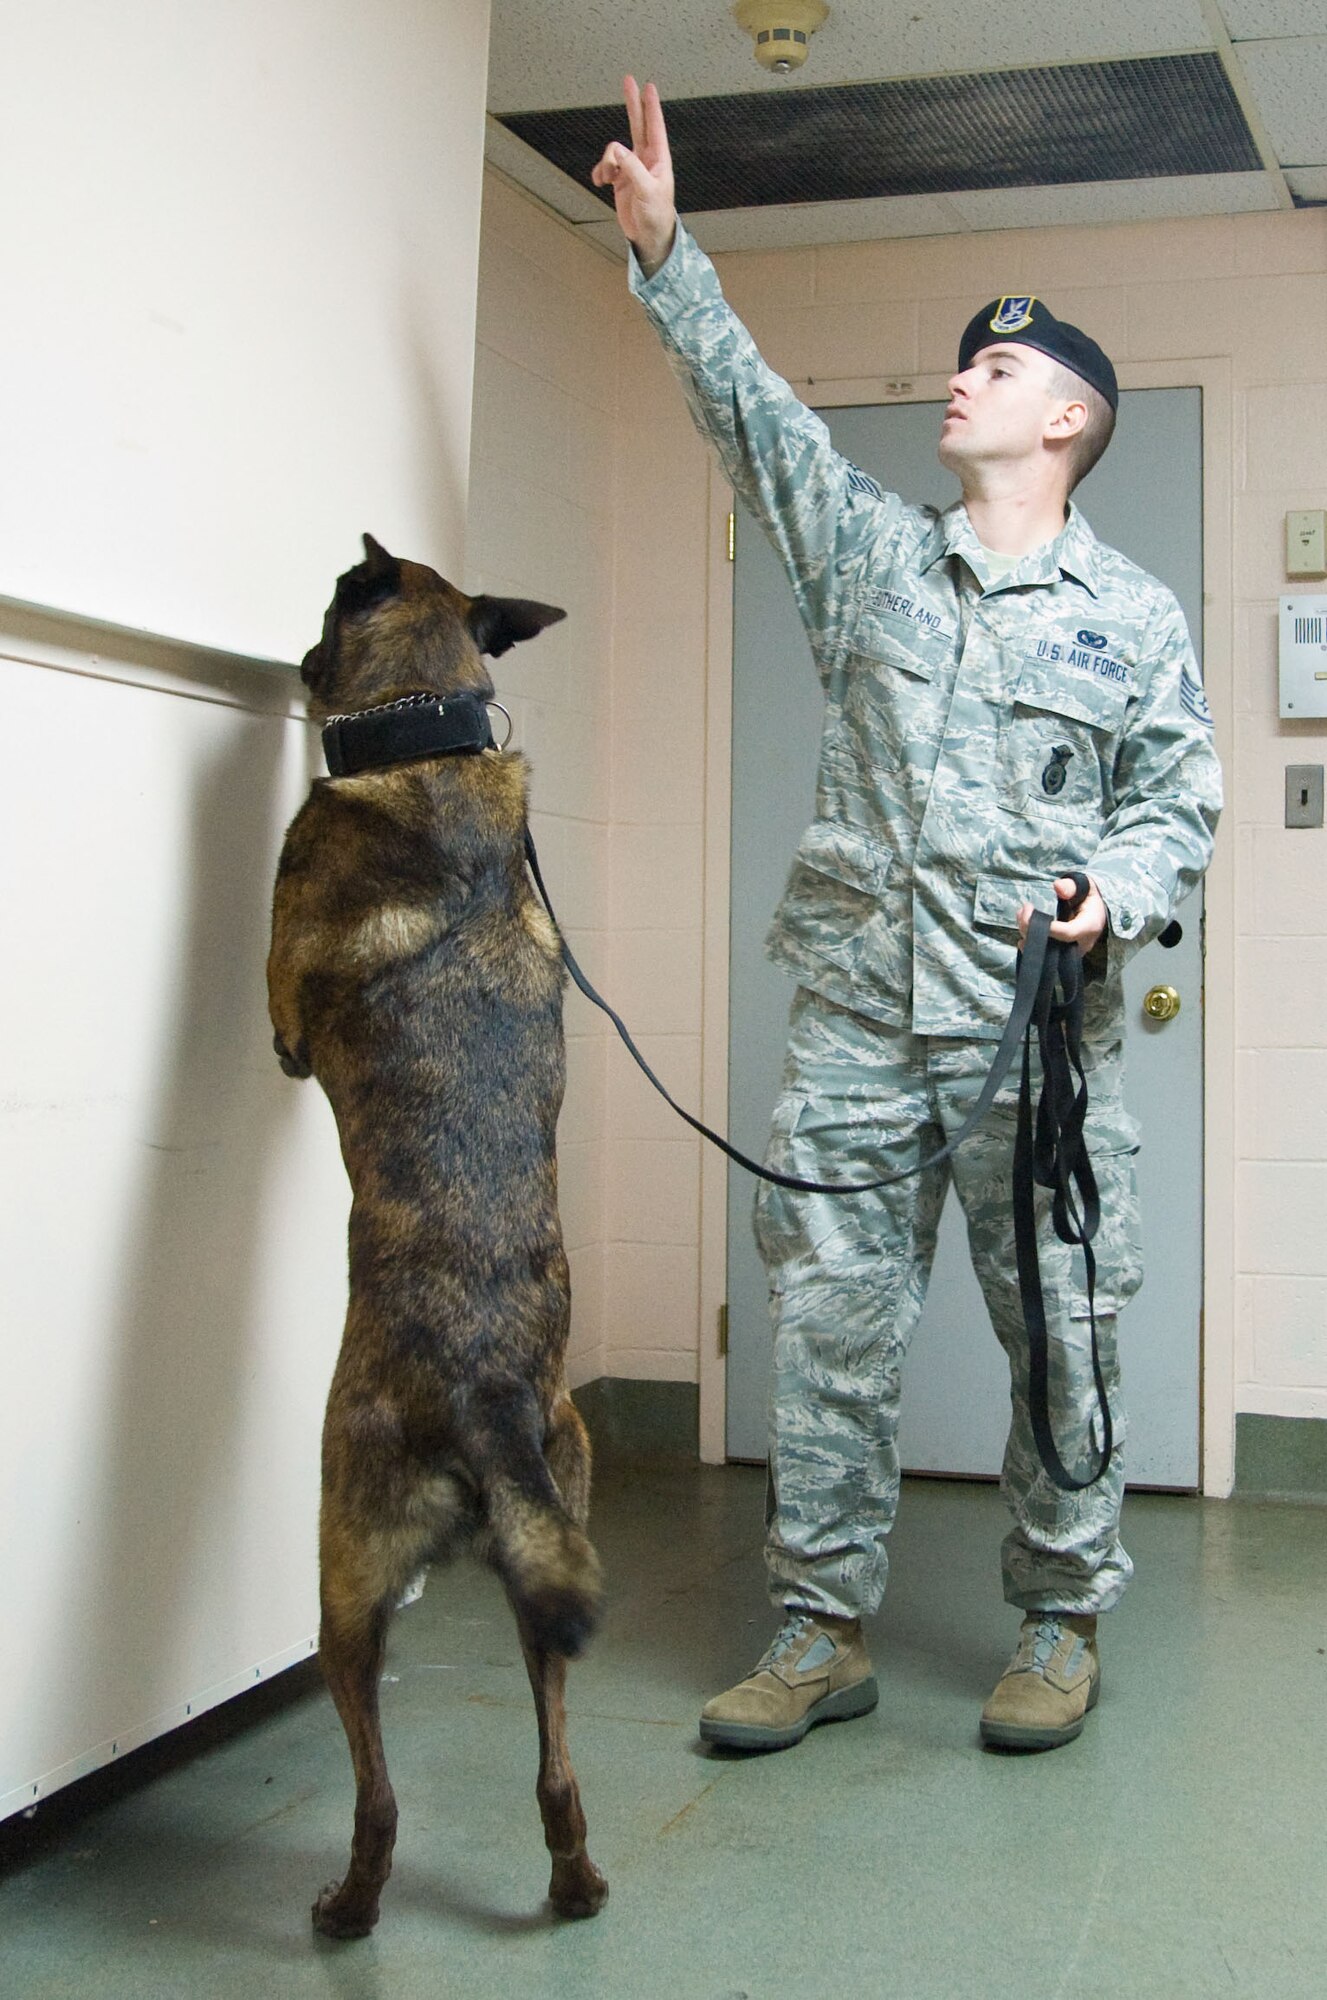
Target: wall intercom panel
[(1303, 656)]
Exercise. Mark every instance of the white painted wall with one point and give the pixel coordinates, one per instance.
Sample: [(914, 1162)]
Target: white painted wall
[(238, 246), (240, 289)]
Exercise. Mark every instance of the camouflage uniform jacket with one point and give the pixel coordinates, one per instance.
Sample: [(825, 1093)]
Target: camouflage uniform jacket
[(981, 736)]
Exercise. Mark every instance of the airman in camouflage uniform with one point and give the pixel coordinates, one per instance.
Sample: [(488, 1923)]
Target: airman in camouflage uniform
[(990, 722)]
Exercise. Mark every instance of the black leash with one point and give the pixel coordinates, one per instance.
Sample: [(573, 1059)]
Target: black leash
[(1048, 1152), (1051, 1152), (1048, 996)]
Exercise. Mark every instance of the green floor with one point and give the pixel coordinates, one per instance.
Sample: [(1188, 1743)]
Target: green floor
[(1178, 1849)]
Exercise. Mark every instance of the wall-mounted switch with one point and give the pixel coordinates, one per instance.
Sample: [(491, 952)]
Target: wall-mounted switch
[(1303, 794), (1306, 543)]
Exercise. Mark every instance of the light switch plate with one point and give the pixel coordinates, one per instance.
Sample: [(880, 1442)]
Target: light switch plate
[(1303, 794)]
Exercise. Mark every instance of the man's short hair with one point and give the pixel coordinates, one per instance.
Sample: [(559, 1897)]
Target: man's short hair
[(1096, 434)]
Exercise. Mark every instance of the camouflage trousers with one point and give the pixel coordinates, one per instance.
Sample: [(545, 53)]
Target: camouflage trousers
[(848, 1279)]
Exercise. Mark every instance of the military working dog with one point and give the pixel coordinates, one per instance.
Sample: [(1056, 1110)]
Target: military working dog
[(415, 976)]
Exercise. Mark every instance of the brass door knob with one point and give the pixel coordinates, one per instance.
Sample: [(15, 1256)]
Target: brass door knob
[(1161, 1003)]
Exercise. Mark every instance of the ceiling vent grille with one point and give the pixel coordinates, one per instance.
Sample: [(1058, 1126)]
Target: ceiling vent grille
[(1135, 120)]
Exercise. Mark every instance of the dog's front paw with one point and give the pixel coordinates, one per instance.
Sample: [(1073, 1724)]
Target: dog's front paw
[(296, 1064)]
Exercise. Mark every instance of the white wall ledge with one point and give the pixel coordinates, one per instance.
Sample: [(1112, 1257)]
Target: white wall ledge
[(38, 635)]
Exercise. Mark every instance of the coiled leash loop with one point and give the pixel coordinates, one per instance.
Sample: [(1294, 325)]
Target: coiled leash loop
[(1050, 1153)]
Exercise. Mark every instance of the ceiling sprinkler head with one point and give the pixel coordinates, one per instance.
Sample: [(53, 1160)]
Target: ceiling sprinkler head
[(781, 30)]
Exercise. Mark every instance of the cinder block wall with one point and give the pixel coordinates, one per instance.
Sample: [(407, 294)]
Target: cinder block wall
[(543, 459), (1247, 294)]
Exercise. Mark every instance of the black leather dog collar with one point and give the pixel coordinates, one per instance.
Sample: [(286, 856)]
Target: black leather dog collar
[(404, 731)]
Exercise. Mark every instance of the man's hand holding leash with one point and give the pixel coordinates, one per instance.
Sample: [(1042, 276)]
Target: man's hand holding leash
[(1083, 928)]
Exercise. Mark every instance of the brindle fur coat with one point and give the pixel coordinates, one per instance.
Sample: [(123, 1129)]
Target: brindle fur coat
[(414, 975)]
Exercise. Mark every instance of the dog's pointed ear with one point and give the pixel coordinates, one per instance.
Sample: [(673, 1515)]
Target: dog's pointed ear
[(499, 623), (371, 582)]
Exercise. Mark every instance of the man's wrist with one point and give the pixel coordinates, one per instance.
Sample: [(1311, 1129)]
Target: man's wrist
[(653, 251)]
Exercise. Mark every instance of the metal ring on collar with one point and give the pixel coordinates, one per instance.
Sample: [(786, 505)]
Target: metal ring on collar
[(502, 711)]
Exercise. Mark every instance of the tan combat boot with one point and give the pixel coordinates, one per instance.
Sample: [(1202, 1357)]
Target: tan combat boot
[(1048, 1687), (817, 1670)]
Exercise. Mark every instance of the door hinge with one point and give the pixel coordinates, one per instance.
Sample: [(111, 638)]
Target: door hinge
[(723, 1330), (732, 538)]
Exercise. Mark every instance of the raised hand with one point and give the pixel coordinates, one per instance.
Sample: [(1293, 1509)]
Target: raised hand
[(641, 177)]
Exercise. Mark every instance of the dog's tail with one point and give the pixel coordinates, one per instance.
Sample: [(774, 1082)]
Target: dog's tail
[(542, 1555)]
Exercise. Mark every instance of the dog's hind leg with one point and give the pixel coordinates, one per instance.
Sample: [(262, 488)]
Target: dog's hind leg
[(519, 1460), (567, 1450), (576, 1888), (357, 1606)]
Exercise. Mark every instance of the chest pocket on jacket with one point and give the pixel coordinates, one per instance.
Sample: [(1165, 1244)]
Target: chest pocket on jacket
[(892, 628), (898, 675), (1058, 741)]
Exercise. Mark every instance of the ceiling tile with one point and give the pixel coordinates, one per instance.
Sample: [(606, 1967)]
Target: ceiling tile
[(542, 59), (1115, 201), (1255, 20), (1289, 84), (780, 227), (1308, 183)]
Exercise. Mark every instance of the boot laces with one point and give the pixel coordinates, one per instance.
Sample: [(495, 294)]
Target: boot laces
[(784, 1639), (1039, 1642)]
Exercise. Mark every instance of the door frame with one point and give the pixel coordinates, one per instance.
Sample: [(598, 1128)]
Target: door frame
[(1213, 376)]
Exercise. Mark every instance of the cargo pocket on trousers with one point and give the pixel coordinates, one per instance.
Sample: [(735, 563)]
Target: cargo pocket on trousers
[(1118, 1242), (777, 1217)]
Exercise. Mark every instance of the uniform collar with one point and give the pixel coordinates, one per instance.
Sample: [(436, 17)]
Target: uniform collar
[(1072, 553)]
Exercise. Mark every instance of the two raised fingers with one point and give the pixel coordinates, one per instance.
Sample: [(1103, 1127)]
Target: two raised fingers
[(649, 134), (649, 140)]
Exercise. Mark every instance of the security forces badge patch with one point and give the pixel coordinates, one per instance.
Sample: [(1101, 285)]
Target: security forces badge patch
[(1193, 701), (1012, 314)]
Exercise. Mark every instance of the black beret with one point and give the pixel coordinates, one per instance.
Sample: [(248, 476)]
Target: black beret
[(1026, 322)]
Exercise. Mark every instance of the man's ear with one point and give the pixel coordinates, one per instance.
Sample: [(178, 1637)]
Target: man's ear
[(1069, 421), (377, 578), (499, 623)]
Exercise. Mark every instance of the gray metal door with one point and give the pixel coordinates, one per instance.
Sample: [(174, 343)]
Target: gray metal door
[(1145, 498)]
